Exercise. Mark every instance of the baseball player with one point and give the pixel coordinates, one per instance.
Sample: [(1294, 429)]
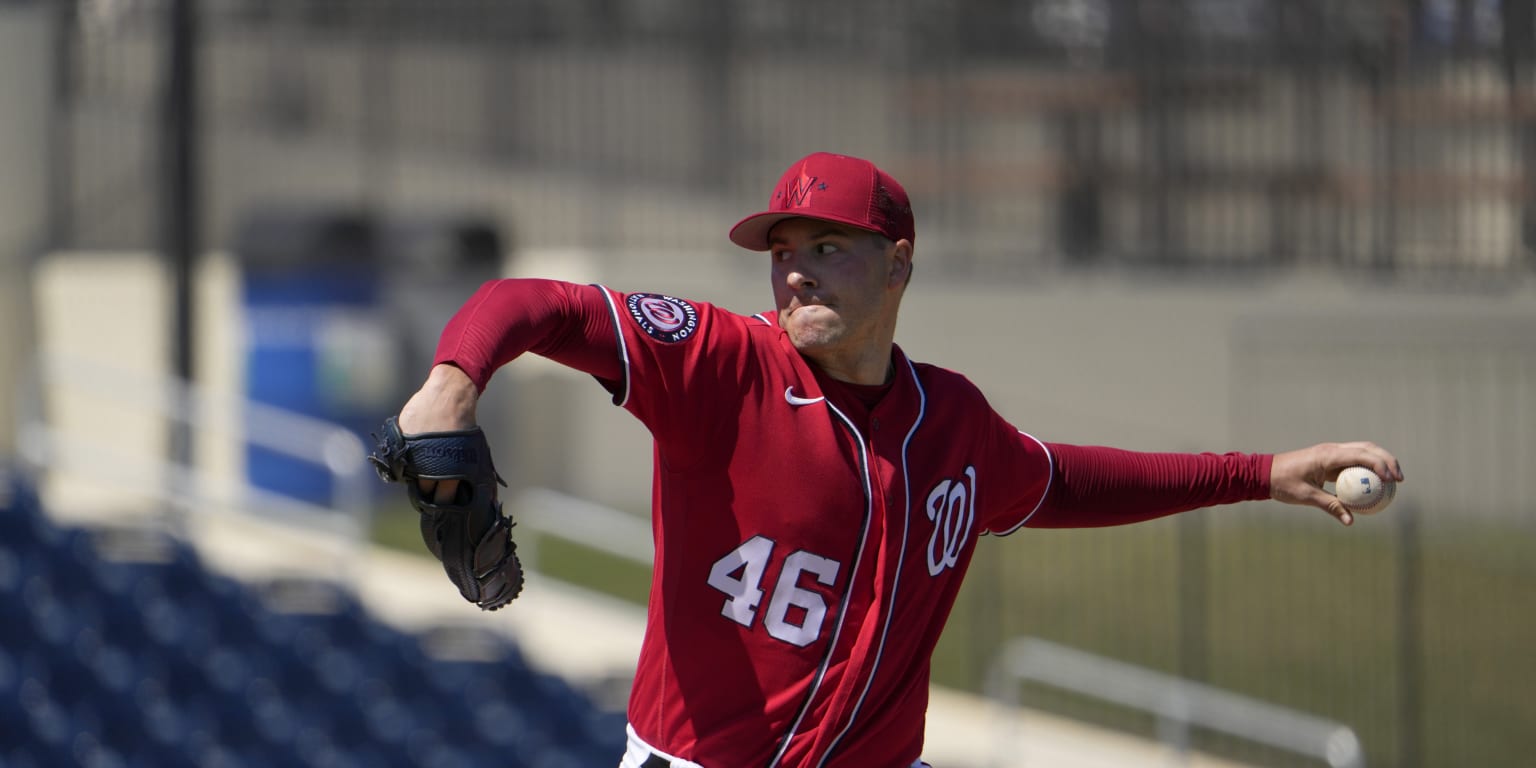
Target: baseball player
[(817, 494)]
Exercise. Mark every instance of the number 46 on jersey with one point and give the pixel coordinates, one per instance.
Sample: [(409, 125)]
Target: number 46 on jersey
[(740, 576)]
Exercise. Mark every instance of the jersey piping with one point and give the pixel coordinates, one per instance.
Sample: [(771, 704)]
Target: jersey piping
[(622, 396), (906, 525), (1050, 477), (842, 612)]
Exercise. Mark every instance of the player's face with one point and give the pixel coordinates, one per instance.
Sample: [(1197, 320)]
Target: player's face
[(837, 289)]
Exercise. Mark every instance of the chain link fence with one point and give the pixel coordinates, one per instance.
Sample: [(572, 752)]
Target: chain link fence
[(1234, 134), (1237, 138)]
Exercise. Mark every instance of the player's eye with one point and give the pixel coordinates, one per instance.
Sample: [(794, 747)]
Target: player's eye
[(780, 255), (826, 249)]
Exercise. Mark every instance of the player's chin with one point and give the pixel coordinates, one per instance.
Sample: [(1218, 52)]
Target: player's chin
[(810, 336), (808, 319)]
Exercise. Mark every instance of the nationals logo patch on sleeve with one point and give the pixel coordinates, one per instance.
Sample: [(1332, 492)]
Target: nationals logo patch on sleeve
[(663, 318)]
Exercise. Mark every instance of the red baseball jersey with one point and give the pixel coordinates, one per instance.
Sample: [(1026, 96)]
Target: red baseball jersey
[(809, 546)]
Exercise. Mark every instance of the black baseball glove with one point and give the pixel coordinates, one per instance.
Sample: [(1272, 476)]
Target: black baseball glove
[(470, 536)]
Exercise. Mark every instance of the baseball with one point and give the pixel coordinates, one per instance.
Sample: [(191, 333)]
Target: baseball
[(1363, 492)]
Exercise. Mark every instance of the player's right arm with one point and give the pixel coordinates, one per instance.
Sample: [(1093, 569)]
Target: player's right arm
[(1093, 486)]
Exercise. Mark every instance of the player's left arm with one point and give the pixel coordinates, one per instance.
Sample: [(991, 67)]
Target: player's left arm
[(504, 319)]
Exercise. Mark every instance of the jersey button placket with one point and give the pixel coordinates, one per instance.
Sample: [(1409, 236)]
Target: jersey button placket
[(879, 506)]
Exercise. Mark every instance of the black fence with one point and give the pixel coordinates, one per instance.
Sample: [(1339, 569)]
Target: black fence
[(1234, 137), (1390, 135)]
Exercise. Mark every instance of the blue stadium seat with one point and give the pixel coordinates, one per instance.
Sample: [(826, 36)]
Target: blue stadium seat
[(113, 580), (89, 751), (232, 621), (389, 719), (20, 757), (562, 710), (560, 757), (347, 725), (233, 727), (217, 755), (21, 522), (121, 624), (53, 623), (10, 703), (46, 725), (160, 717), (43, 755), (180, 679), (401, 665), (16, 631), (165, 664), (228, 668), (317, 744), (500, 723), (65, 680), (118, 724), (271, 713), (146, 754), (375, 756)]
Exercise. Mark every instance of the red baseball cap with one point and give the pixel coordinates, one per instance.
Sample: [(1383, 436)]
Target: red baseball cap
[(831, 187)]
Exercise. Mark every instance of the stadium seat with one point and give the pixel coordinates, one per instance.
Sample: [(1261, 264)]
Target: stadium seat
[(147, 754), (157, 662), (15, 624), (10, 704), (160, 717), (20, 757), (48, 725)]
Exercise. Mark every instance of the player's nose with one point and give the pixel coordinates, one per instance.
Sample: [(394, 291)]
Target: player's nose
[(799, 279)]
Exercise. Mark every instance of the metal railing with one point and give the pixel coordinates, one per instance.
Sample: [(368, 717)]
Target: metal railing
[(1179, 705), (208, 415), (593, 525)]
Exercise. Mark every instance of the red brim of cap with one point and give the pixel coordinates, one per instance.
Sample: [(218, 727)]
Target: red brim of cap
[(751, 233)]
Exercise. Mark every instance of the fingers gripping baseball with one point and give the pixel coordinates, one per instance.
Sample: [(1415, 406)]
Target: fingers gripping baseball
[(451, 482), (1297, 477)]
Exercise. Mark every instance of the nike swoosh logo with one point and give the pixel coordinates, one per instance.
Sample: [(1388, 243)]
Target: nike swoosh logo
[(791, 398)]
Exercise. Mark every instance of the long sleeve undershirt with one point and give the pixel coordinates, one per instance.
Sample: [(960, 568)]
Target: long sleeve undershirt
[(1090, 486), (564, 322), (1094, 486)]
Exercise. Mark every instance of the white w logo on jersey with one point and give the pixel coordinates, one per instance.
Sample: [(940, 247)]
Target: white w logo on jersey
[(952, 508)]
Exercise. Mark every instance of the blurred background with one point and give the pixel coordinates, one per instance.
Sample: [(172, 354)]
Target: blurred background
[(231, 230)]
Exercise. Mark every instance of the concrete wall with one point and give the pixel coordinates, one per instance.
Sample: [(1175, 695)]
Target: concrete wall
[(1447, 382)]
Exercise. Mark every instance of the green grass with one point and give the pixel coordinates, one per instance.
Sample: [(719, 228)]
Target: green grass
[(1308, 616), (1305, 616)]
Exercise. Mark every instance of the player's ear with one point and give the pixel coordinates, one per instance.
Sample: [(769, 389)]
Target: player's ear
[(899, 263)]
